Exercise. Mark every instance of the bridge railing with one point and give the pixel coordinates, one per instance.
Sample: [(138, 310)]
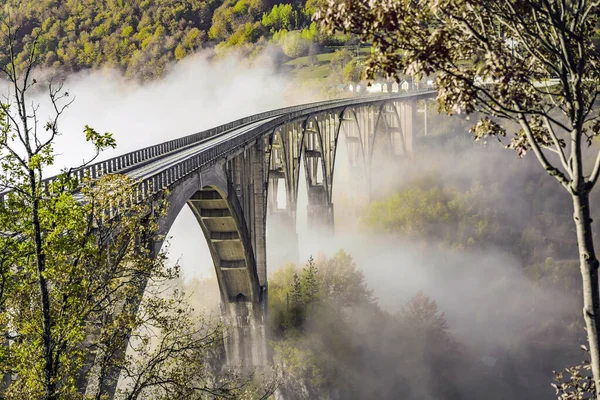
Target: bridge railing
[(124, 162), (128, 160), (165, 179)]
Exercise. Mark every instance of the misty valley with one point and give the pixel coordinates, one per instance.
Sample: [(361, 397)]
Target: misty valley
[(455, 280), (300, 199)]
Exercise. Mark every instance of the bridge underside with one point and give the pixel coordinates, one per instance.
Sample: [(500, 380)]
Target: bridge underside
[(229, 252)]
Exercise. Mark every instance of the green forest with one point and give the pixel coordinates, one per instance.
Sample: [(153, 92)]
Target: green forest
[(142, 38)]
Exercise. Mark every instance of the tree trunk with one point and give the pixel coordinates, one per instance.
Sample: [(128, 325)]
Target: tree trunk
[(49, 373), (589, 275)]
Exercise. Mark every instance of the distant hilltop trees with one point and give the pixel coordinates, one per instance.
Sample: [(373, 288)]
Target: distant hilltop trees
[(141, 38)]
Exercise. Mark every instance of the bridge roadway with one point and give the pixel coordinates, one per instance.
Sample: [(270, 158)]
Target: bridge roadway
[(147, 168), (162, 163)]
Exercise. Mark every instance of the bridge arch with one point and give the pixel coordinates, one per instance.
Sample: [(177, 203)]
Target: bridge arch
[(213, 200), (382, 142), (209, 196), (366, 128), (279, 171), (317, 174), (281, 235)]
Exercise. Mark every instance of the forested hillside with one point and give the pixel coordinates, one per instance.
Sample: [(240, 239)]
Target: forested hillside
[(141, 38)]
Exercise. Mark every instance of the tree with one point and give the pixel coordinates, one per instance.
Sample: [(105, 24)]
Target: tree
[(347, 347), (530, 67), (421, 314), (427, 210), (73, 36), (81, 287), (352, 71), (573, 383), (38, 238), (294, 45), (279, 18), (340, 59), (310, 286)]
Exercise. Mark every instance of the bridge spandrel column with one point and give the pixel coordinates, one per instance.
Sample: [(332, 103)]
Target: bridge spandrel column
[(319, 210), (408, 116)]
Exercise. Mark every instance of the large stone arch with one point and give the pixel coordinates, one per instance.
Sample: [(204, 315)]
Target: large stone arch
[(216, 207)]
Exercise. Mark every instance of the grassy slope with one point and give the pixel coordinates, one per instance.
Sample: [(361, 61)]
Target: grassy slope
[(302, 68)]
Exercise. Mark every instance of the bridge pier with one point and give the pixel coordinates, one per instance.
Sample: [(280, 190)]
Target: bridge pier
[(319, 210), (245, 315), (408, 113), (257, 223), (229, 203), (245, 334), (281, 216)]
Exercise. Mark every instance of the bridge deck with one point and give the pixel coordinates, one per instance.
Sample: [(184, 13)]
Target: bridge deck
[(156, 167), (160, 164)]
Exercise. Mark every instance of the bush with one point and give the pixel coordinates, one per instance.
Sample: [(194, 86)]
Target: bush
[(294, 45)]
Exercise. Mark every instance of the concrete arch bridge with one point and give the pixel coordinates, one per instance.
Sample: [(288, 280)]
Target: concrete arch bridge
[(225, 174)]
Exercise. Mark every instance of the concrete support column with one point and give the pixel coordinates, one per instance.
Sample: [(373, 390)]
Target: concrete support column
[(248, 319), (245, 335), (241, 262), (257, 226), (272, 204), (320, 210), (408, 112)]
